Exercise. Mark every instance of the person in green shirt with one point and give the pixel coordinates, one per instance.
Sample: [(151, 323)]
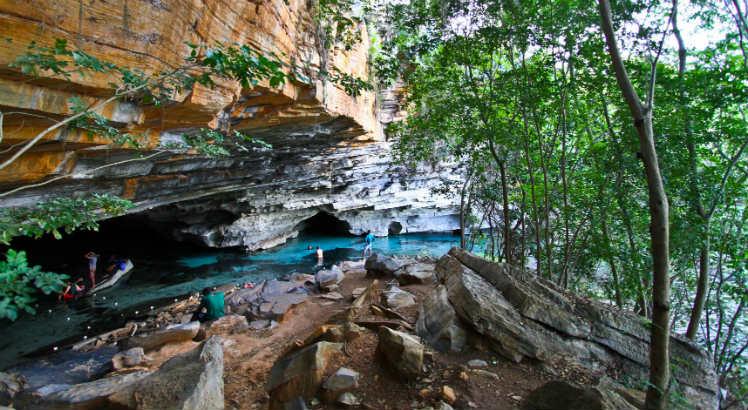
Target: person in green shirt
[(211, 306)]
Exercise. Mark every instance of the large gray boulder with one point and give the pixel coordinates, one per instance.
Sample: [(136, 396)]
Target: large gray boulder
[(300, 374), (190, 381), (402, 352), (327, 279), (172, 334), (522, 316), (378, 265), (397, 298), (561, 395), (66, 367), (438, 324)]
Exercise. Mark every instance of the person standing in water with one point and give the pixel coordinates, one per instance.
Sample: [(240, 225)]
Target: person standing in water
[(92, 261), (320, 255), (369, 240)]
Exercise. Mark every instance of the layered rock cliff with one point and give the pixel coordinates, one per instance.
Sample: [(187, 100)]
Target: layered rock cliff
[(330, 153)]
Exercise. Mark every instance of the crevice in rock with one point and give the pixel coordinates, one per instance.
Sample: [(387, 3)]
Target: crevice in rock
[(324, 223)]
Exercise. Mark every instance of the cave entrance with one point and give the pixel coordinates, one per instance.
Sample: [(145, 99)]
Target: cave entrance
[(395, 228), (324, 223), (131, 236)]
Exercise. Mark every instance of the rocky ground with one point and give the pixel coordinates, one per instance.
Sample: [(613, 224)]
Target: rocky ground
[(391, 334)]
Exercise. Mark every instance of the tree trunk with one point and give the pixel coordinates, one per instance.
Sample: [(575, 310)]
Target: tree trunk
[(659, 353), (507, 219), (702, 287)]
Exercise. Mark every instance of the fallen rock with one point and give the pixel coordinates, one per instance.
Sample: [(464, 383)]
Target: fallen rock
[(259, 324), (229, 324), (332, 296), (300, 374), (561, 395), (357, 292), (438, 324), (172, 334), (415, 273), (84, 396), (327, 278), (352, 265), (128, 358), (397, 298), (379, 265), (401, 351), (190, 381), (342, 381), (523, 316)]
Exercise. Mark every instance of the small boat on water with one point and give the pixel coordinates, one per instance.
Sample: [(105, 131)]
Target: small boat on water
[(118, 275)]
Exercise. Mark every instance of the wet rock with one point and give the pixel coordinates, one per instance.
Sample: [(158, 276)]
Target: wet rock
[(172, 334), (327, 278), (342, 381), (415, 273), (397, 298), (402, 352), (128, 358), (378, 265), (229, 324), (477, 363), (438, 324), (66, 367), (300, 373), (84, 396), (561, 395), (10, 385), (348, 399), (190, 381)]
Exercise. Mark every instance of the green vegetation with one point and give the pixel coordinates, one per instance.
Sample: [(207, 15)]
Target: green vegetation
[(19, 282)]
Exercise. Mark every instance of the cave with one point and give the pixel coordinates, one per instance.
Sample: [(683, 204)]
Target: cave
[(131, 236), (324, 223), (395, 228)]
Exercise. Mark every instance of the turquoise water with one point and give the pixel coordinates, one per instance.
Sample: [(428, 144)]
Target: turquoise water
[(162, 277)]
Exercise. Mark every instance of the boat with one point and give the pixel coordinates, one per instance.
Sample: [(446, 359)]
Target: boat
[(116, 277)]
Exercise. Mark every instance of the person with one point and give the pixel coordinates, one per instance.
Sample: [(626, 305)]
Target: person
[(309, 248), (92, 260), (369, 240), (73, 290), (211, 306), (320, 254)]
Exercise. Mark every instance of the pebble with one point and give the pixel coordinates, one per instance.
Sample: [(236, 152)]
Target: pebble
[(515, 397), (349, 399), (476, 363), (448, 394)]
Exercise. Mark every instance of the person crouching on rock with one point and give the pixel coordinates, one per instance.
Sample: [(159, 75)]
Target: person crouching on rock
[(73, 290), (211, 306)]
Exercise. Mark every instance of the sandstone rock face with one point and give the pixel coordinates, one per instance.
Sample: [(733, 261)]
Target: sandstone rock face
[(523, 316), (190, 381), (402, 352), (300, 374), (173, 334), (329, 151)]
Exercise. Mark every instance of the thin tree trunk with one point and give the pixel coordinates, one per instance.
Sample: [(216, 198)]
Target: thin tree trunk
[(659, 354), (507, 219)]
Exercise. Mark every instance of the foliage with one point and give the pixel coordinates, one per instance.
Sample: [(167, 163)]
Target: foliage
[(59, 215), (19, 282)]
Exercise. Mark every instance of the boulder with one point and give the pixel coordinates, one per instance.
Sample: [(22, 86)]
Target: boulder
[(561, 395), (402, 352), (227, 325), (84, 396), (523, 316), (190, 381), (172, 334), (259, 324), (379, 265), (348, 399), (397, 298), (300, 374), (438, 324), (342, 381), (328, 278), (414, 273), (128, 358), (352, 265)]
